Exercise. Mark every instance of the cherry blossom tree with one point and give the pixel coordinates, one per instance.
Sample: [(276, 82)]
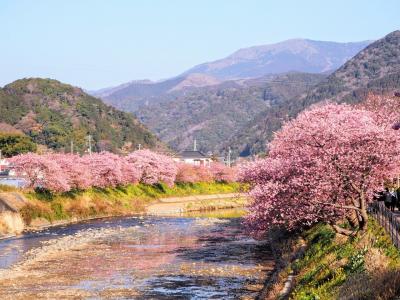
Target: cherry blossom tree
[(203, 174), (105, 168), (77, 173), (222, 173), (323, 166), (59, 172), (153, 167), (190, 174), (40, 171)]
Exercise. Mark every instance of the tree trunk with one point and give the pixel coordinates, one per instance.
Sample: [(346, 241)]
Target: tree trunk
[(363, 213), (343, 231), (353, 219)]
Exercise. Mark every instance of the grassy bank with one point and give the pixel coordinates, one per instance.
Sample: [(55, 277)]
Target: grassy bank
[(107, 202), (336, 267)]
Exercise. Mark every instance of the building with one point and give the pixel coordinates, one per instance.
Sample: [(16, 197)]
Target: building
[(4, 165), (193, 157)]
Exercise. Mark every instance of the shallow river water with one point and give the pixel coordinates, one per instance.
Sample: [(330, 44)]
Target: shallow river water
[(191, 257)]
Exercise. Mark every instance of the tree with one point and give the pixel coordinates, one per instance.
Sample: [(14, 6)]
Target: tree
[(386, 109), (13, 144), (153, 167), (190, 174), (323, 166), (77, 173), (40, 171), (222, 173), (105, 169)]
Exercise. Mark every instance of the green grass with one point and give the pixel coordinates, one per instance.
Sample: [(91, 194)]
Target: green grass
[(110, 201), (336, 267)]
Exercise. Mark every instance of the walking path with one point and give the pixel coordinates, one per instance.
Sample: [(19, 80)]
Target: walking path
[(177, 205)]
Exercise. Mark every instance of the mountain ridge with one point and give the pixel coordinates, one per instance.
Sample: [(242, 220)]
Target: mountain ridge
[(374, 69), (296, 55), (263, 55)]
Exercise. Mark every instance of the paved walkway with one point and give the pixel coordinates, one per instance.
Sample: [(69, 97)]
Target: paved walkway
[(177, 205)]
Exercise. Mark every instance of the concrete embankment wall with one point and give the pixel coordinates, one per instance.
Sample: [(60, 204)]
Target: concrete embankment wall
[(10, 220)]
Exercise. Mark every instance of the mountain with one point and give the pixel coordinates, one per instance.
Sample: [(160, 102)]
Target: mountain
[(54, 114), (299, 55), (375, 69), (214, 113), (212, 102), (296, 55), (131, 96)]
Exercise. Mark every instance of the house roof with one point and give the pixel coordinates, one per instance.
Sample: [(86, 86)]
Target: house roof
[(192, 154)]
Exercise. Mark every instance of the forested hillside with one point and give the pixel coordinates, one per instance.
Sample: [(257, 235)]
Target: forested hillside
[(134, 95), (54, 114), (213, 114), (375, 69)]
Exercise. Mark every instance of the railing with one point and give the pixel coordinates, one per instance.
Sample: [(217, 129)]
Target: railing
[(13, 181), (387, 219)]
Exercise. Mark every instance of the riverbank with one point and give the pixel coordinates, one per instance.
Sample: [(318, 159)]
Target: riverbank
[(320, 264), (147, 257), (178, 205), (45, 209)]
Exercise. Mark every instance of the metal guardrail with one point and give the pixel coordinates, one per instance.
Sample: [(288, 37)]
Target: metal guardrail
[(387, 219), (13, 181)]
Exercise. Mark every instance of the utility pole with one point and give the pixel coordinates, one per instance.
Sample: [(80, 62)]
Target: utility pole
[(72, 146), (229, 157), (90, 144), (195, 145)]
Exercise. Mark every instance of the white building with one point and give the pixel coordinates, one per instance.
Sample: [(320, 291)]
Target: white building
[(4, 165), (194, 157)]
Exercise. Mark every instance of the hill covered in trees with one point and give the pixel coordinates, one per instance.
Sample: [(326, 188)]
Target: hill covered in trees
[(212, 114), (211, 102), (54, 114), (136, 94), (375, 69)]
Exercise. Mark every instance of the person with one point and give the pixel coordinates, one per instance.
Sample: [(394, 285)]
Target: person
[(398, 198), (393, 202), (380, 196), (388, 198)]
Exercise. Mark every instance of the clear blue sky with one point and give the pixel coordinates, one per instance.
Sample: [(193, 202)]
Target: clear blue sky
[(96, 44)]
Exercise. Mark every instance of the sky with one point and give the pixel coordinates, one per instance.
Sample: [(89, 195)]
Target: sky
[(95, 44)]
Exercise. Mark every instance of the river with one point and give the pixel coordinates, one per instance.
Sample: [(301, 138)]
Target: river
[(183, 257)]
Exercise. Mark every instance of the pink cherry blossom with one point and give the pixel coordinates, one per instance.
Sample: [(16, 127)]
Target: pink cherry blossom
[(322, 166), (222, 173), (40, 172), (188, 173), (74, 168), (153, 167)]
